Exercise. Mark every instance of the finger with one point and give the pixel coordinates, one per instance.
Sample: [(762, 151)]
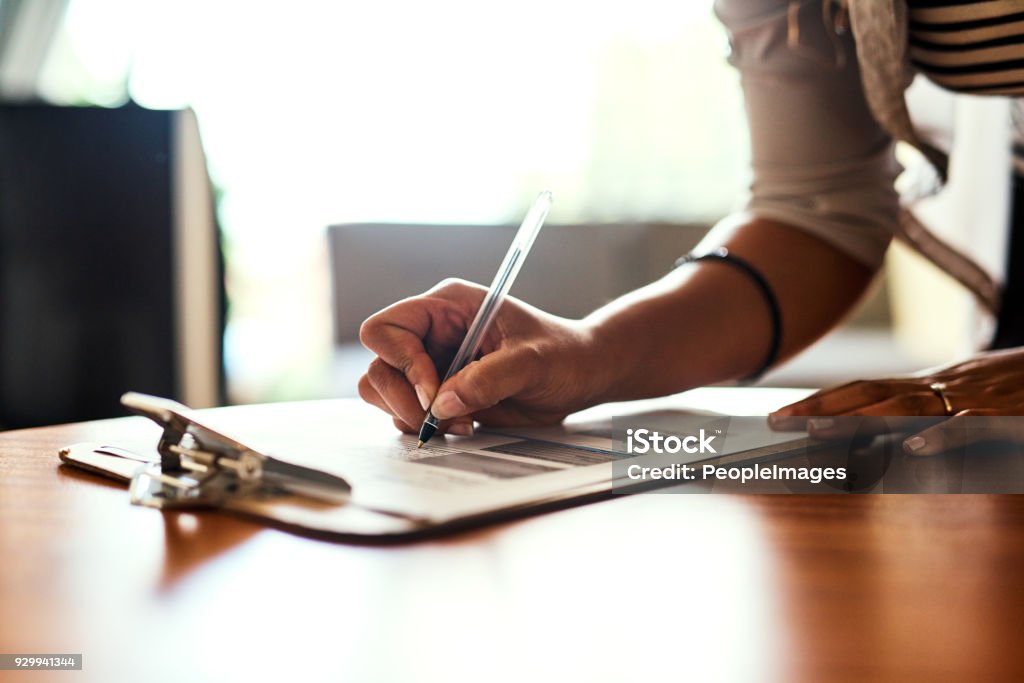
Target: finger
[(485, 382), (395, 390), (847, 426), (396, 335), (371, 396), (837, 401), (967, 427), (509, 414), (914, 403), (902, 413), (407, 428), (462, 426)]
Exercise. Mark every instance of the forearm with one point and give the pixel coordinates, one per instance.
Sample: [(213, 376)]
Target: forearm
[(708, 322)]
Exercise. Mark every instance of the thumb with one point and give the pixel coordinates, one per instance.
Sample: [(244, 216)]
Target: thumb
[(485, 382)]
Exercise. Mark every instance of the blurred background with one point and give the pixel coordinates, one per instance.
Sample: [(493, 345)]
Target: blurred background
[(389, 120)]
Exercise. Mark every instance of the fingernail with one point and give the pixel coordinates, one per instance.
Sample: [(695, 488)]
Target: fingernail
[(821, 423), (447, 405), (422, 395), (914, 443), (461, 428)]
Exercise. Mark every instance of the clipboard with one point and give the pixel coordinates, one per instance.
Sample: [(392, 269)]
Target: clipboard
[(363, 497)]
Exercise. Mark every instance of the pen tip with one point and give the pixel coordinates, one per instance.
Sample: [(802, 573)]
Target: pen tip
[(419, 444)]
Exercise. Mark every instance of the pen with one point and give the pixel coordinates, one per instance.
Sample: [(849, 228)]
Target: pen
[(503, 280)]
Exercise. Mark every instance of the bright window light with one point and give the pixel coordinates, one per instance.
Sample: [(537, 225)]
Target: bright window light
[(315, 113)]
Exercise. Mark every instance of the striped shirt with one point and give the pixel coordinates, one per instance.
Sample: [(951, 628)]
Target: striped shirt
[(978, 48), (973, 47)]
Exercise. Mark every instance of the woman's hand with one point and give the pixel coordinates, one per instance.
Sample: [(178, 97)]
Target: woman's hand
[(988, 385), (534, 368)]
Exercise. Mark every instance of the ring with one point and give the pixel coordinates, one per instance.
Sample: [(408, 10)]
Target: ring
[(939, 389)]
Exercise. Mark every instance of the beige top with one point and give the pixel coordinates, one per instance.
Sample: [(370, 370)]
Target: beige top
[(824, 104)]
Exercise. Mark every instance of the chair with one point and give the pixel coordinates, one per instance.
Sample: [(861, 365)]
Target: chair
[(572, 269)]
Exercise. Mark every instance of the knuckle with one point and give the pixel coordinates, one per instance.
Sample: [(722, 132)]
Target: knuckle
[(809, 406), (842, 389), (533, 360), (369, 394), (919, 404), (532, 355), (874, 390), (404, 364), (451, 285), (379, 374), (368, 331), (1001, 390), (366, 390), (457, 290), (479, 392)]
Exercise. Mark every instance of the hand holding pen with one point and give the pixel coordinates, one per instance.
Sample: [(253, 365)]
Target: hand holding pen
[(533, 369), (503, 280)]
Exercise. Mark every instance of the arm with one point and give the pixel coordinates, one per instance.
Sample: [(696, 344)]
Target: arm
[(818, 223), (701, 324), (707, 322), (817, 226)]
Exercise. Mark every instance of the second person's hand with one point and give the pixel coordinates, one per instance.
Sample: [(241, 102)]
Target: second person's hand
[(984, 387)]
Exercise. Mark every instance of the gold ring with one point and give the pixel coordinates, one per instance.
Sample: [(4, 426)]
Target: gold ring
[(939, 389)]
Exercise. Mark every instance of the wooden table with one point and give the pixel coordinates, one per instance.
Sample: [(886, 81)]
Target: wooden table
[(648, 587)]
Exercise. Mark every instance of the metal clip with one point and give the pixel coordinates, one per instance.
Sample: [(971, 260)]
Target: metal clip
[(201, 467)]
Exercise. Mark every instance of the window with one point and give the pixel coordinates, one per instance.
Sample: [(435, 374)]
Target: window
[(451, 111)]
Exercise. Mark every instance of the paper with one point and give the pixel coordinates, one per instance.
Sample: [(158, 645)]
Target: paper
[(398, 489), (453, 476)]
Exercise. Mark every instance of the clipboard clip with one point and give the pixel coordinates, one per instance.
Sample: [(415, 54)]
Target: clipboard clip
[(202, 467)]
